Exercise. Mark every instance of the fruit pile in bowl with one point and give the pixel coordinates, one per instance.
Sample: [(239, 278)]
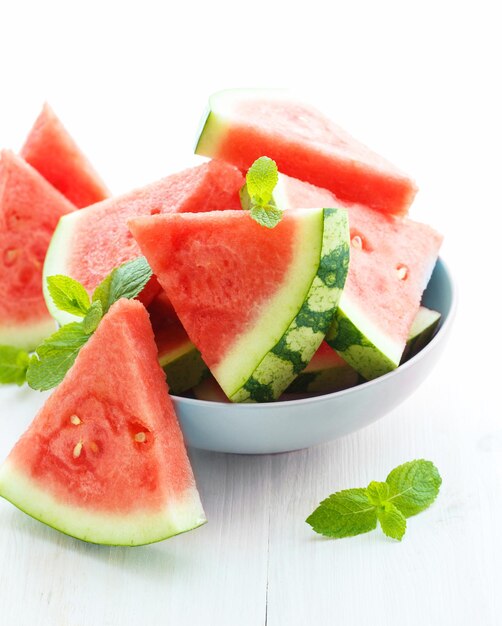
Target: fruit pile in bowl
[(279, 287)]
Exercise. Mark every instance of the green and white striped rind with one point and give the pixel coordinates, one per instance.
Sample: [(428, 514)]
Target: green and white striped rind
[(184, 368), (218, 115), (304, 334), (350, 336), (27, 336), (422, 330), (56, 261), (132, 529)]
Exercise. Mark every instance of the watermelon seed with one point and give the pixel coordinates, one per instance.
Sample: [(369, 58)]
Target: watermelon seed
[(75, 420), (140, 437), (94, 446), (10, 256), (357, 242), (402, 272), (77, 449)]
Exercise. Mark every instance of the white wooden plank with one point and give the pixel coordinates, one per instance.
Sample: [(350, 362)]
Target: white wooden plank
[(447, 567)]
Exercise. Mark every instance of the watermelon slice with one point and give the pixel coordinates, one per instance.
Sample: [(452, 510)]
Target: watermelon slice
[(104, 460), (391, 262), (179, 358), (244, 124), (255, 301), (90, 243), (52, 151), (30, 209), (422, 331)]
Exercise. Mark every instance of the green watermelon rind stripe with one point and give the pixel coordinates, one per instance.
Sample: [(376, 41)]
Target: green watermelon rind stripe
[(185, 371), (305, 333), (359, 351)]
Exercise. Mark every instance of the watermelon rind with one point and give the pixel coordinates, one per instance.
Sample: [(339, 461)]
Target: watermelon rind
[(361, 343), (27, 336), (132, 529), (56, 262), (215, 120), (184, 368), (422, 330), (306, 330)]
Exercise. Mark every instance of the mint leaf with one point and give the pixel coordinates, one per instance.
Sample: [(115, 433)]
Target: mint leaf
[(68, 294), (92, 317), (257, 194), (344, 514), (129, 279), (55, 356), (413, 486), (261, 179), (392, 521), (409, 489), (378, 493), (268, 216), (125, 281), (13, 365), (102, 292)]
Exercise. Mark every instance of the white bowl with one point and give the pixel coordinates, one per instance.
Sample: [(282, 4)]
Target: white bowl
[(294, 424)]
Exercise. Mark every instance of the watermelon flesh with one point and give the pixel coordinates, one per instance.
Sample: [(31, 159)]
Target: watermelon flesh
[(104, 460), (256, 302), (179, 358), (244, 124), (30, 209), (92, 242), (391, 260), (51, 150)]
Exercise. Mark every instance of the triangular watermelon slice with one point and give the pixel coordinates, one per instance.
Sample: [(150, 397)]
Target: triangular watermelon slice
[(92, 242), (51, 150), (256, 302), (30, 209), (244, 124), (104, 460), (391, 260)]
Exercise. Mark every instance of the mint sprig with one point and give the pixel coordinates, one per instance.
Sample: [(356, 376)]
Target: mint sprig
[(47, 367), (257, 193), (409, 489)]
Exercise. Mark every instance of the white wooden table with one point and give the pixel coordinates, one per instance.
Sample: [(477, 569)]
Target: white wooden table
[(420, 83)]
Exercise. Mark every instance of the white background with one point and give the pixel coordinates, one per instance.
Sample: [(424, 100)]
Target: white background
[(419, 82)]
